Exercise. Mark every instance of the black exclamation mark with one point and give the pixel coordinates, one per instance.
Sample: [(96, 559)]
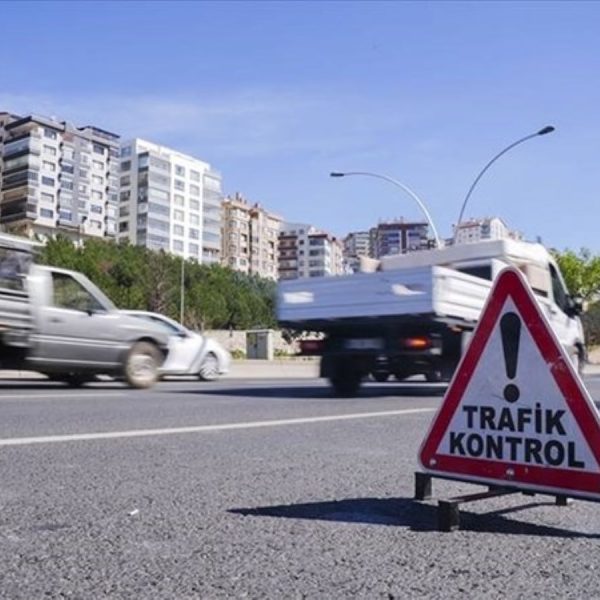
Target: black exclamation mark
[(510, 328)]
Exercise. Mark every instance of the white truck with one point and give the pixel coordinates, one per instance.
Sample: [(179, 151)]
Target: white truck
[(57, 322), (415, 313)]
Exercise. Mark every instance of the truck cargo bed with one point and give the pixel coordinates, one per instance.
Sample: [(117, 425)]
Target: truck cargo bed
[(314, 304)]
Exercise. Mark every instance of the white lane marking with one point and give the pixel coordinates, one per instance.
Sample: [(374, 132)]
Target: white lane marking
[(111, 435), (63, 395)]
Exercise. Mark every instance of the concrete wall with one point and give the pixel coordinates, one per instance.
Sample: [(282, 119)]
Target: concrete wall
[(236, 340)]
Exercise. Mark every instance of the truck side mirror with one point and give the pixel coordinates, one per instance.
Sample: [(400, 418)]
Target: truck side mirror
[(576, 305)]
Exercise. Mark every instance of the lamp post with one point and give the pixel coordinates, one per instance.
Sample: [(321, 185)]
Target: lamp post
[(182, 291), (543, 131), (402, 187)]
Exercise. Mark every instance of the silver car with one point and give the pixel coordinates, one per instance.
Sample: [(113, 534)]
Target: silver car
[(190, 353)]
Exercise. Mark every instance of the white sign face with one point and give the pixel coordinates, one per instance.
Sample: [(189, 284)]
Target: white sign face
[(516, 413), (535, 429)]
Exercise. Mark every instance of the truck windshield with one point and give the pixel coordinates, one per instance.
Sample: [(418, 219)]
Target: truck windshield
[(14, 265)]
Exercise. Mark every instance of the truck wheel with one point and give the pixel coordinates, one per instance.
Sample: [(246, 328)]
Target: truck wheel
[(380, 376), (345, 380), (141, 365)]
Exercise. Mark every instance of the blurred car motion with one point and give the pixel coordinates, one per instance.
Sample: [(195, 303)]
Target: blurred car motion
[(190, 353), (57, 322)]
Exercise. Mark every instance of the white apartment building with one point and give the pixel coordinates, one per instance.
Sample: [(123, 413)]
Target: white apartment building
[(250, 237), (356, 244), (488, 228), (56, 177), (169, 201), (305, 251)]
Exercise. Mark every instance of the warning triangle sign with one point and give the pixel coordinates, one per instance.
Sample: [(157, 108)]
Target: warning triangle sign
[(516, 412)]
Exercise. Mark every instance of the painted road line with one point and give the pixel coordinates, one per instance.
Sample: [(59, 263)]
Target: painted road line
[(62, 395), (111, 435)]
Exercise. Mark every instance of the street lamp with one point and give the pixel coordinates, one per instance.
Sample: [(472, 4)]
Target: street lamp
[(402, 187), (182, 291), (543, 131)]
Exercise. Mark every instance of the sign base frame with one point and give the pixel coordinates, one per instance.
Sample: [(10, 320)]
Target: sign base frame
[(448, 513)]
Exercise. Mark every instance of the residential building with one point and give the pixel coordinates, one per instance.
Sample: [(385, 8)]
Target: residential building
[(305, 251), (487, 228), (249, 238), (399, 237), (169, 201), (56, 177), (356, 244)]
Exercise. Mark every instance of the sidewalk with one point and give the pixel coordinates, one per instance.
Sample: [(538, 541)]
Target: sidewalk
[(240, 369), (263, 369)]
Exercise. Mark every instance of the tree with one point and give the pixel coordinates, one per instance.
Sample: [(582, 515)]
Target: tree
[(580, 271), (133, 277)]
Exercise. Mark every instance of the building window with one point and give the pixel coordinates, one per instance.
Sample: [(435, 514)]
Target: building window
[(194, 220), (98, 149), (50, 150), (179, 185), (178, 230), (47, 180), (46, 213), (178, 215), (194, 205), (194, 234), (66, 215), (98, 165), (126, 165), (194, 176), (194, 190), (178, 246), (48, 166), (97, 180), (50, 133), (179, 171), (47, 198), (83, 174), (179, 200), (68, 169), (96, 209), (96, 195), (126, 151), (82, 188), (193, 249), (124, 226), (68, 153)]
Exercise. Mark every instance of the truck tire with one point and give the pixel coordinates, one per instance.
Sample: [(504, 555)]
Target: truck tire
[(380, 376), (345, 379), (141, 366)]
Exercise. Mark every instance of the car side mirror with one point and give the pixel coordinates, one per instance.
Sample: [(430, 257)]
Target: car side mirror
[(182, 334)]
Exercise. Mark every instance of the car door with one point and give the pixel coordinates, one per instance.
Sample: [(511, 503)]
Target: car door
[(75, 328)]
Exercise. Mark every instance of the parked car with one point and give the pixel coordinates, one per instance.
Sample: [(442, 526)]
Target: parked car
[(190, 353)]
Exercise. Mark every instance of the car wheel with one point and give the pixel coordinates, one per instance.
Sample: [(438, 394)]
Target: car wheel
[(209, 369), (141, 365)]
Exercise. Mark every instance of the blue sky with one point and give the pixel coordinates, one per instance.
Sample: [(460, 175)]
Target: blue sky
[(277, 95)]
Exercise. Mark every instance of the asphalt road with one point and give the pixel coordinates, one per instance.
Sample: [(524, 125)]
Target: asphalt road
[(259, 488)]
